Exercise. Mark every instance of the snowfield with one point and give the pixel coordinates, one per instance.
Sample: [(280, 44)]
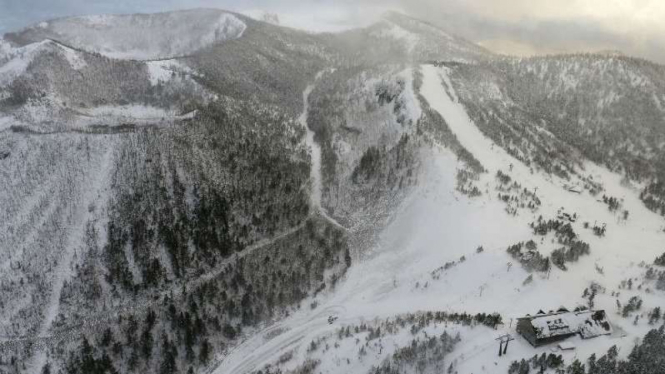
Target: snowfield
[(163, 71), (130, 112), (435, 225)]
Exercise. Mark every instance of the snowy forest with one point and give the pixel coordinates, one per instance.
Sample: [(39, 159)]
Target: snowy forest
[(202, 191)]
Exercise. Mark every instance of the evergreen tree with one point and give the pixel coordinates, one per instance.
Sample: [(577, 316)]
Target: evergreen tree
[(204, 354)]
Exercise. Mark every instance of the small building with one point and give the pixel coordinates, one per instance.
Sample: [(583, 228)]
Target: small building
[(546, 328), (566, 346)]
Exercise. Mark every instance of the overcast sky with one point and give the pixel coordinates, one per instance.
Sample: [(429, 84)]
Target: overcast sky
[(525, 27)]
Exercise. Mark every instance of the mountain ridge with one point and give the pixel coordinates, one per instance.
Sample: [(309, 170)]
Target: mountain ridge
[(282, 201)]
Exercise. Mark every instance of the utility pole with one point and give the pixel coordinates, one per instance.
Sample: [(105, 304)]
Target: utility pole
[(504, 339)]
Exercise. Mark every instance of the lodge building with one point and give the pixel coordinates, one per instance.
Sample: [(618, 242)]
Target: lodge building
[(545, 328)]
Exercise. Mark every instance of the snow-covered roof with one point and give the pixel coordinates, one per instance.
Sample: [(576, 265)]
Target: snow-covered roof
[(551, 325), (588, 323), (594, 323)]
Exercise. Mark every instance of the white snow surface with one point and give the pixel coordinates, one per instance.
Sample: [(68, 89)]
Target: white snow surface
[(162, 71), (146, 36), (315, 151), (569, 323), (129, 112), (436, 225)]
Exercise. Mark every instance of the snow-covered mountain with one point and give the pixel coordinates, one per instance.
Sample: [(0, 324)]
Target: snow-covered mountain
[(399, 38), (199, 191), (138, 36)]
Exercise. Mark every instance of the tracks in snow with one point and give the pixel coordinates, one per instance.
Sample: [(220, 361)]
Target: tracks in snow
[(409, 253), (315, 154), (276, 339), (92, 191)]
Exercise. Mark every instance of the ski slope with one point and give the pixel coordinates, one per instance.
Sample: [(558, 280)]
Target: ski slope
[(436, 225)]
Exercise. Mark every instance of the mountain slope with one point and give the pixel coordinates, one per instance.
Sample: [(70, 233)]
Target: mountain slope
[(269, 200), (609, 108), (399, 38), (606, 109), (427, 260)]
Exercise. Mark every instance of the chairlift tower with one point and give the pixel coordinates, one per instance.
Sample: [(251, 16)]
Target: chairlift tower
[(504, 339)]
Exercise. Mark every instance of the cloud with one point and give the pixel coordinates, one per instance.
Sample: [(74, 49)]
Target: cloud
[(634, 27)]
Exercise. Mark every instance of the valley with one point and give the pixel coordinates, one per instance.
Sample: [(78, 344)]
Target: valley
[(225, 195)]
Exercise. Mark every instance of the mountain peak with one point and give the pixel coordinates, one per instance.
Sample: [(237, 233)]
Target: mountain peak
[(424, 41), (138, 36)]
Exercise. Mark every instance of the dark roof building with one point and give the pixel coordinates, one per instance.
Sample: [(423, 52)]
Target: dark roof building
[(547, 328)]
